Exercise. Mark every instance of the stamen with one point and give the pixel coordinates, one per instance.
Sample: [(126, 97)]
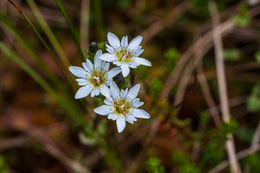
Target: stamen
[(124, 55)]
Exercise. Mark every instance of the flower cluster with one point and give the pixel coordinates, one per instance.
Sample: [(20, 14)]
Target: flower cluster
[(120, 105)]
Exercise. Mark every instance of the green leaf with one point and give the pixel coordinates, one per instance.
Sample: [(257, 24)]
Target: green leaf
[(244, 134), (3, 168), (180, 158), (257, 56), (75, 113), (253, 103), (142, 72), (231, 54), (153, 165), (155, 87), (252, 161), (171, 56), (242, 19)]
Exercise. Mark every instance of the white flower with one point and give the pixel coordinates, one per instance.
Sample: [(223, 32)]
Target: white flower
[(94, 78), (122, 106), (123, 54)]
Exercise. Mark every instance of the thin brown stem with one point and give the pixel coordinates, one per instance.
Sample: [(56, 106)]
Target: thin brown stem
[(230, 146), (207, 94), (168, 20)]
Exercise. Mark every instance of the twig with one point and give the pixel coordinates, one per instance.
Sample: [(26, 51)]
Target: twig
[(232, 103), (51, 147), (239, 156), (255, 147), (165, 22), (205, 42), (230, 146), (6, 143), (256, 137), (207, 95)]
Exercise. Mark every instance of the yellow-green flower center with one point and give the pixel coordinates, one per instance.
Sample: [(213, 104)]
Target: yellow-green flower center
[(97, 78), (122, 107), (124, 55)]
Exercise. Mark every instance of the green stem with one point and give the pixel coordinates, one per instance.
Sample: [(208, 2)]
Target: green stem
[(29, 48), (44, 43), (99, 20), (75, 113), (72, 29), (49, 33)]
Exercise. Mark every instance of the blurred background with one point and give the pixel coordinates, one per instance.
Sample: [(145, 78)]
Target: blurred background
[(203, 116)]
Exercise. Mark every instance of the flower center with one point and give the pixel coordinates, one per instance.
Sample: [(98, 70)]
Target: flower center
[(122, 107), (124, 55), (97, 78)]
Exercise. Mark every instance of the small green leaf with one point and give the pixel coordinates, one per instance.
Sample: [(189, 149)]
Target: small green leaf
[(142, 72), (231, 54), (155, 87), (257, 56), (87, 140), (252, 161), (153, 165), (171, 56), (3, 168), (253, 103), (242, 19)]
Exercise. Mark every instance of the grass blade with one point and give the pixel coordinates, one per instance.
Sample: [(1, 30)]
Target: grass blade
[(44, 25), (9, 26), (45, 44), (75, 113), (72, 29)]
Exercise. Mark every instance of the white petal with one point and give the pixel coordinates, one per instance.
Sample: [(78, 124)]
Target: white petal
[(82, 82), (138, 104), (112, 116), (114, 90), (89, 64), (105, 91), (115, 117), (78, 71), (133, 64), (131, 119), (105, 67), (107, 57), (143, 61), (134, 44), (97, 61), (123, 93), (113, 40), (103, 110), (95, 92), (124, 42), (138, 52), (140, 113), (110, 49), (108, 101), (113, 72), (86, 67), (117, 63), (83, 92), (133, 92), (125, 70), (120, 123)]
